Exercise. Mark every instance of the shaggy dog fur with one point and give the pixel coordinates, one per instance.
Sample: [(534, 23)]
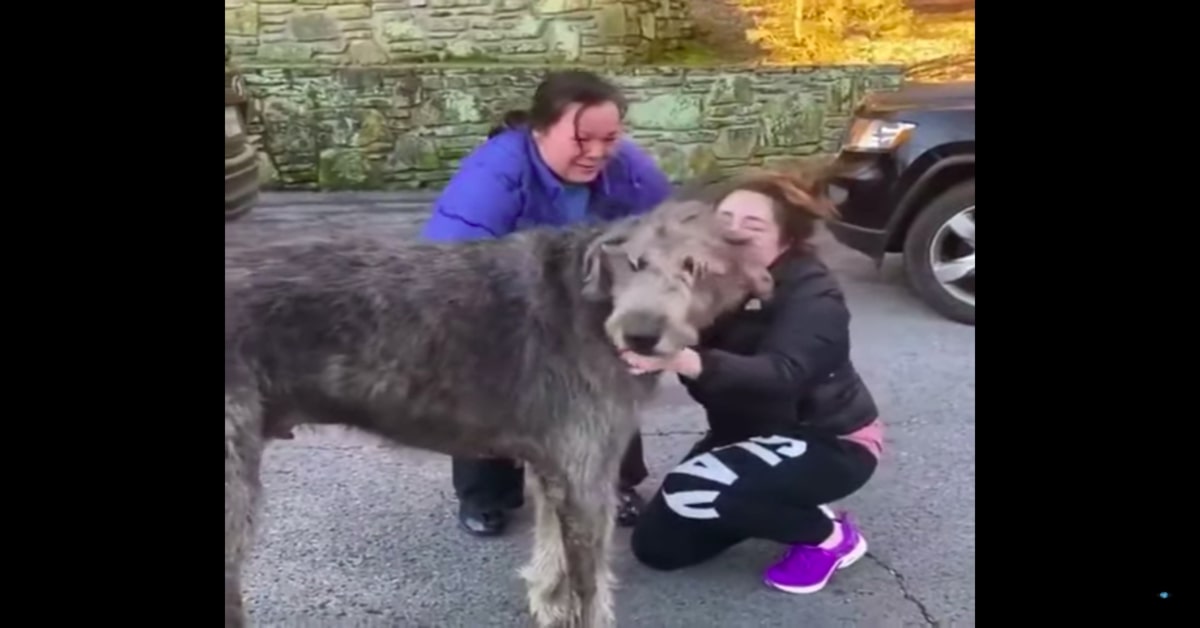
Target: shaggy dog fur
[(501, 347)]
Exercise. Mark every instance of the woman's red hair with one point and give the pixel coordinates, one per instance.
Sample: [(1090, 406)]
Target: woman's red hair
[(800, 199)]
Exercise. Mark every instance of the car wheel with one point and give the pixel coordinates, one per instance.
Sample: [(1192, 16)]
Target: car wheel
[(939, 253)]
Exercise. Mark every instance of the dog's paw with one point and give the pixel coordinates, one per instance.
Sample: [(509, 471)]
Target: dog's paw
[(548, 612), (548, 601)]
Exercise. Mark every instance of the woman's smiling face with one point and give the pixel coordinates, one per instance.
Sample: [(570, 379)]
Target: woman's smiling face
[(751, 216)]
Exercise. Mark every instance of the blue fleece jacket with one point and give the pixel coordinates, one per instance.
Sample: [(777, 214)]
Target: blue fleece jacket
[(504, 186)]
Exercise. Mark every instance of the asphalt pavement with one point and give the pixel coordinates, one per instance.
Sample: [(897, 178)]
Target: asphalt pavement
[(357, 533)]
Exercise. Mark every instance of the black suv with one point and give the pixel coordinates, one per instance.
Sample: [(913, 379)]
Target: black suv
[(906, 184)]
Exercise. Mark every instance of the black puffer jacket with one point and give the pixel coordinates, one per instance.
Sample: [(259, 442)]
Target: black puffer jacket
[(785, 364)]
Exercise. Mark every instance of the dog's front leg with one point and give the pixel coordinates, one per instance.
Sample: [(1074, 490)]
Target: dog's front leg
[(243, 456), (238, 531), (545, 575), (586, 517), (235, 610)]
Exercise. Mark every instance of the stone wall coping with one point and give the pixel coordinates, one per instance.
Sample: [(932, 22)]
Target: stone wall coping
[(254, 66), (408, 125)]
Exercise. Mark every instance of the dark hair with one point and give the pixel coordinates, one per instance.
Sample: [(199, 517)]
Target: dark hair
[(558, 91), (800, 200)]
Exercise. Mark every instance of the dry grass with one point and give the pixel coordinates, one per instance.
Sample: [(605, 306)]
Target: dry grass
[(857, 31)]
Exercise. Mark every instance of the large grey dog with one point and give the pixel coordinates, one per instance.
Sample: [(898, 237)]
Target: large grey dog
[(504, 347)]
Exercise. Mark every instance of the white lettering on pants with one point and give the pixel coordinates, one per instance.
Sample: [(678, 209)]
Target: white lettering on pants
[(698, 504)]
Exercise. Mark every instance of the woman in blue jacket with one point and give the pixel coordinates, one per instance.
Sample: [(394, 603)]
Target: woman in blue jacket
[(563, 162)]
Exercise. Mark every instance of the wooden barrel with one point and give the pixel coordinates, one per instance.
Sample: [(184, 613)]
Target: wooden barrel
[(241, 160)]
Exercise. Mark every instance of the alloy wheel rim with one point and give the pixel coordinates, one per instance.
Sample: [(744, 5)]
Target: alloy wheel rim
[(952, 256)]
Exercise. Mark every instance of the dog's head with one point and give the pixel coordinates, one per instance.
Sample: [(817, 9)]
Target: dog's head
[(669, 275)]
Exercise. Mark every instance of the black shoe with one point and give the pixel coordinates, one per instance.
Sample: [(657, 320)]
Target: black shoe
[(629, 507), (482, 522)]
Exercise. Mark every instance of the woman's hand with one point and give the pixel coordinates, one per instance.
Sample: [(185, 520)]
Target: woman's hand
[(685, 363)]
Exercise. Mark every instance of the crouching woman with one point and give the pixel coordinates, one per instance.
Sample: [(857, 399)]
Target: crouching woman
[(792, 427)]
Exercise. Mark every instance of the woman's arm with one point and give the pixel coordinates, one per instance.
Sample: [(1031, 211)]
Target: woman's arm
[(807, 341), (482, 200)]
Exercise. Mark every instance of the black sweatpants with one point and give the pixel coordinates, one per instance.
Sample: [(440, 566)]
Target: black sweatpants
[(767, 487), (483, 484)]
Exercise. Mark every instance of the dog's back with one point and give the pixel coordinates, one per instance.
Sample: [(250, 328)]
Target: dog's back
[(387, 336)]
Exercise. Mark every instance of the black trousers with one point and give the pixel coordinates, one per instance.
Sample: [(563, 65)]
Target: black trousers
[(769, 487), (496, 483)]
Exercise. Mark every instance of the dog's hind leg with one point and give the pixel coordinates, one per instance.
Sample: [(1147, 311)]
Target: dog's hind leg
[(545, 575), (243, 455)]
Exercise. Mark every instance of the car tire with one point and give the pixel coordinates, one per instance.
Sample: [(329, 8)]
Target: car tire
[(936, 237)]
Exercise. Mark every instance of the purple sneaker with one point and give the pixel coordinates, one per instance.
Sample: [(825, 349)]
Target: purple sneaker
[(806, 568)]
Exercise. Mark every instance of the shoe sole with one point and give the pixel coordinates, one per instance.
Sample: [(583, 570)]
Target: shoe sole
[(482, 533), (860, 550)]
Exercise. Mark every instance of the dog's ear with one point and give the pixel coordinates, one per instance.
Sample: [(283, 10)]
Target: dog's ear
[(604, 247), (759, 278), (596, 279), (709, 261), (683, 212)]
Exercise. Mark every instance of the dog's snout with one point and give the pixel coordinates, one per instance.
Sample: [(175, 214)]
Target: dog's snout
[(642, 331)]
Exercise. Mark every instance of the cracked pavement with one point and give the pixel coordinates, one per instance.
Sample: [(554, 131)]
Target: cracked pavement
[(356, 533)]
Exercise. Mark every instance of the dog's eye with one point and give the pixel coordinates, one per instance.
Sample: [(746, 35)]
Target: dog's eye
[(689, 266), (638, 264)]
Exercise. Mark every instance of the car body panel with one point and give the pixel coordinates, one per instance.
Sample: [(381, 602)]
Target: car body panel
[(878, 193)]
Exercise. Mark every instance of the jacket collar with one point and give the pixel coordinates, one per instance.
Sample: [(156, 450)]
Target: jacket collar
[(794, 263)]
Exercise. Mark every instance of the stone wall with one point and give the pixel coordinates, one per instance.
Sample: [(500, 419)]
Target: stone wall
[(377, 32), (398, 127)]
